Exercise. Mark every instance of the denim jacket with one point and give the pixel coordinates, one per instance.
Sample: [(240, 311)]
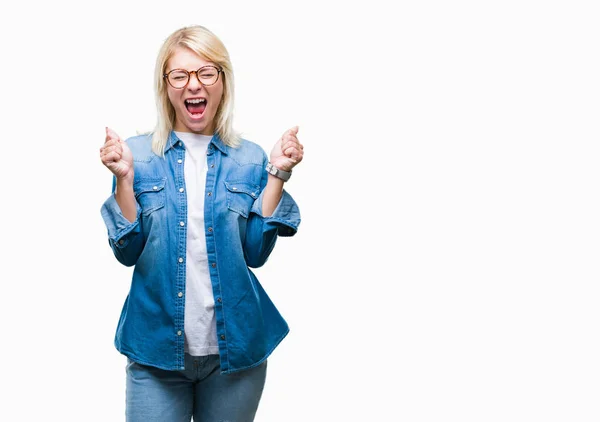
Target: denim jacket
[(238, 237)]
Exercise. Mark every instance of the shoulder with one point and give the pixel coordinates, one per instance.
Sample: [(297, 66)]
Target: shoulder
[(141, 147), (248, 152)]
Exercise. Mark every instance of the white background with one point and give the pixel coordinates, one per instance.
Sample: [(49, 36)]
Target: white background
[(446, 267)]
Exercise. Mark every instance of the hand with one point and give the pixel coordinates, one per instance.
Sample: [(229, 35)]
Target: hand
[(288, 151), (116, 156)]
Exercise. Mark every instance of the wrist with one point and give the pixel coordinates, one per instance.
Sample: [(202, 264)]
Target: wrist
[(275, 181), (277, 172), (125, 183)]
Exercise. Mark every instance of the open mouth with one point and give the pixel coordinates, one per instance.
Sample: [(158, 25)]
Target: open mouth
[(196, 107)]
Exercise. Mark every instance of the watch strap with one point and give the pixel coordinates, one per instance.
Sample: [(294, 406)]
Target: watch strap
[(280, 174)]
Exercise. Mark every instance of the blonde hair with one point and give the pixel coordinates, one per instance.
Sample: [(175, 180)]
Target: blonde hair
[(206, 44)]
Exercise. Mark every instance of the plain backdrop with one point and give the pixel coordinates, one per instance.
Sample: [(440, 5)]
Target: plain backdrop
[(446, 266)]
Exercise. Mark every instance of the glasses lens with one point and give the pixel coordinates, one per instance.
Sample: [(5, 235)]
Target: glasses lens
[(178, 78), (208, 75)]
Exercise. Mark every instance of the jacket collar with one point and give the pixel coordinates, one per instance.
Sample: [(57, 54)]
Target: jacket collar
[(216, 141)]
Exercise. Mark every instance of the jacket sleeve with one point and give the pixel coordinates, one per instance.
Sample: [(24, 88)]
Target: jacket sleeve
[(126, 238), (262, 232)]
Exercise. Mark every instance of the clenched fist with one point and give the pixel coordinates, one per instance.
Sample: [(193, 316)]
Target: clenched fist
[(288, 151), (116, 156)]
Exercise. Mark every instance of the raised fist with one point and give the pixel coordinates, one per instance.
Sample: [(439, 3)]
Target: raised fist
[(116, 156), (288, 151)]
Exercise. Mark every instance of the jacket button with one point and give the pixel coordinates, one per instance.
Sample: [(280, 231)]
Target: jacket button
[(210, 229), (214, 265), (222, 337), (179, 332), (219, 300)]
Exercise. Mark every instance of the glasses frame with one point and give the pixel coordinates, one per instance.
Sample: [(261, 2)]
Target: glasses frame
[(197, 72)]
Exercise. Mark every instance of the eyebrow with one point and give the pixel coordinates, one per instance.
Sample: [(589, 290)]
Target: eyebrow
[(193, 70)]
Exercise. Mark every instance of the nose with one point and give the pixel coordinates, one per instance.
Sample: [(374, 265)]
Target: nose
[(194, 84)]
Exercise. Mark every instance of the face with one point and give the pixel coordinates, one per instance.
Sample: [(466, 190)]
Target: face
[(193, 115)]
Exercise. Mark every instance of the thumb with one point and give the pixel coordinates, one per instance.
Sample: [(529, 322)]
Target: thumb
[(111, 134), (292, 131)]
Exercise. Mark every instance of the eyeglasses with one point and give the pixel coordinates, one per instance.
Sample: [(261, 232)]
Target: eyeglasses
[(179, 78)]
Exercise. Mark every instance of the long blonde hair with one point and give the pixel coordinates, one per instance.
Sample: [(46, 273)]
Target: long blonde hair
[(206, 44)]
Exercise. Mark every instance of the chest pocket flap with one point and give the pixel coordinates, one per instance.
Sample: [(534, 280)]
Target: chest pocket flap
[(150, 194), (241, 196)]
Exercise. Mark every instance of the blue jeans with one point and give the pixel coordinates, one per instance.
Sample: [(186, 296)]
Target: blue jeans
[(201, 391)]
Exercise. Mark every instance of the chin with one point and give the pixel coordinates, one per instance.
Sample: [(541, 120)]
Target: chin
[(200, 129), (194, 126)]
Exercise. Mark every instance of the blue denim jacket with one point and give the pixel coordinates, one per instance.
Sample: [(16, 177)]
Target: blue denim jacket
[(249, 327)]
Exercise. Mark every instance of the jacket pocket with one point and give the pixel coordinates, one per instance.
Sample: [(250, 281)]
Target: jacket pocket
[(241, 196), (150, 194)]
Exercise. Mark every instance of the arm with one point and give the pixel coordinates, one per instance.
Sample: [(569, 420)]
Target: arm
[(125, 235), (121, 211), (262, 231), (272, 195), (126, 199), (274, 213), (286, 154)]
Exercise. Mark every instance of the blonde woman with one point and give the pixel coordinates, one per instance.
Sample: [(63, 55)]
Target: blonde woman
[(193, 208)]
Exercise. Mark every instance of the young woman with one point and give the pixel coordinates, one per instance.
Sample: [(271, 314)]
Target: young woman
[(193, 208)]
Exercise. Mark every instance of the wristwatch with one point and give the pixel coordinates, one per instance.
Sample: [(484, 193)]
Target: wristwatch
[(283, 175)]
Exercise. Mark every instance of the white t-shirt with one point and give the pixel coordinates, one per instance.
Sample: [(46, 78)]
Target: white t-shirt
[(199, 322)]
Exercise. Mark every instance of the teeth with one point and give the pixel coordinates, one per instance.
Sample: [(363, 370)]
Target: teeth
[(196, 101)]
